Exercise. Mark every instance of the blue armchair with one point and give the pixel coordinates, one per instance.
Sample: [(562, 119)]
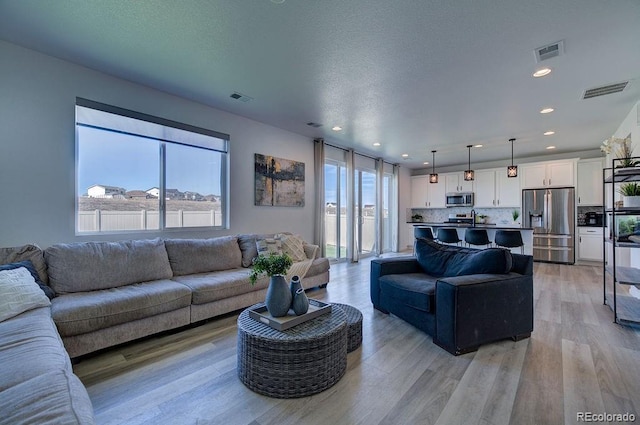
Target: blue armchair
[(462, 297)]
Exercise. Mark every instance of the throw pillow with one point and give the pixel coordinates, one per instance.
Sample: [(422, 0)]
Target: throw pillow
[(19, 293), (432, 256), (439, 260), (27, 264), (293, 245), (491, 260), (268, 246)]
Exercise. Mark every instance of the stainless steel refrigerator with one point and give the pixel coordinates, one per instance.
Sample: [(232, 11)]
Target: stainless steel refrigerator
[(551, 214)]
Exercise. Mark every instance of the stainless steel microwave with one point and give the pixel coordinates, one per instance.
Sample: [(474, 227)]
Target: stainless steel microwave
[(459, 199)]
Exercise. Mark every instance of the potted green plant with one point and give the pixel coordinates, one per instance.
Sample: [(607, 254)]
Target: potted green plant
[(515, 214), (276, 266), (630, 194), (481, 218), (416, 217)]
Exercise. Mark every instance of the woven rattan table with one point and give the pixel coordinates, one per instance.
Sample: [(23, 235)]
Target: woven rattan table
[(303, 360), (354, 326)]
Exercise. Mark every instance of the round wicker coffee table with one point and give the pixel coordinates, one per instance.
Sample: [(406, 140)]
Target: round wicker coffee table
[(303, 360), (354, 326)]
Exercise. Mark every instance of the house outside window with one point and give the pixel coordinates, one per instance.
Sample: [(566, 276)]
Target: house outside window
[(137, 172)]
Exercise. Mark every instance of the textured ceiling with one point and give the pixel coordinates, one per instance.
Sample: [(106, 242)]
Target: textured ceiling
[(413, 75)]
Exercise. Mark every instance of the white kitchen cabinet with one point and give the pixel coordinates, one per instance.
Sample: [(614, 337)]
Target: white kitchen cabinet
[(547, 174), (455, 182), (508, 190), (419, 191), (494, 189), (437, 195), (425, 194), (485, 191), (590, 243), (589, 184)]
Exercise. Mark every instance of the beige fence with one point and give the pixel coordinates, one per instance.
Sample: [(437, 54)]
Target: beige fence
[(109, 221)]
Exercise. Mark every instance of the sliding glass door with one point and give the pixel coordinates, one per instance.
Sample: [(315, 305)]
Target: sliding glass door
[(335, 194), (360, 196), (365, 210)]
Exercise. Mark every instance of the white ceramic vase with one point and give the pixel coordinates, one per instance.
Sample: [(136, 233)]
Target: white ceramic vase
[(631, 201)]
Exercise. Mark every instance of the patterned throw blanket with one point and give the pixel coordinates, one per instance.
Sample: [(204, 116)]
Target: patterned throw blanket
[(299, 269)]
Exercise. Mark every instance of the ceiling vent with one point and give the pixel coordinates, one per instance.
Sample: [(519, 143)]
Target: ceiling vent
[(314, 124), (608, 89), (549, 51), (241, 97)]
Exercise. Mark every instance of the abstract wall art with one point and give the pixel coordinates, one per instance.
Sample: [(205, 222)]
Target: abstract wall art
[(278, 182)]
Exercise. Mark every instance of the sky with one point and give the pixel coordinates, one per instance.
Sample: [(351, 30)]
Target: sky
[(115, 159), (330, 193)]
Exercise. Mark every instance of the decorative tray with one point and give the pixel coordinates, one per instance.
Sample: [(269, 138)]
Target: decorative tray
[(316, 308)]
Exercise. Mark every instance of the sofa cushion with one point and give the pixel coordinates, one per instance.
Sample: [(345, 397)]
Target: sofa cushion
[(208, 287), (293, 246), (26, 252), (490, 260), (91, 266), (415, 290), (84, 312), (318, 266), (269, 246), (189, 256), (53, 398), (27, 264), (29, 346), (19, 293), (248, 247), (444, 261)]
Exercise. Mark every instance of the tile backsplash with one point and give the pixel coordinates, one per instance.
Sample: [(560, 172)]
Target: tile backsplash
[(500, 216), (583, 210)]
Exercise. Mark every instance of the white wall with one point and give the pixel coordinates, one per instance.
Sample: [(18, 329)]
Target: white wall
[(37, 150)]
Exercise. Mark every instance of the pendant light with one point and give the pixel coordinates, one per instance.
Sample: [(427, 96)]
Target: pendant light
[(433, 177), (512, 170), (468, 174)]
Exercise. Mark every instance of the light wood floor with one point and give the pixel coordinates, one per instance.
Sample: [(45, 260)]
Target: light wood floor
[(577, 360)]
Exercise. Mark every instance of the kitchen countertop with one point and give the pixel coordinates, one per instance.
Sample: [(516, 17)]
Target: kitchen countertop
[(491, 226)]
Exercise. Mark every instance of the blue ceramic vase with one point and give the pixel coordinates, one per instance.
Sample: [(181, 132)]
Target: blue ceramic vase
[(278, 299), (295, 285), (300, 302)]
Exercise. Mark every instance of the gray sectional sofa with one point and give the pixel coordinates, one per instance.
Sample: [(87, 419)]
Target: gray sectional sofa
[(108, 293)]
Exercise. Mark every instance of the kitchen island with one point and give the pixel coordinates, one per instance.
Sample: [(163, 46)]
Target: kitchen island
[(527, 232)]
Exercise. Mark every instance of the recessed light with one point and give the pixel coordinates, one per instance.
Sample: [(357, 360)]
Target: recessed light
[(405, 155), (376, 144), (546, 110), (336, 128), (542, 72), (549, 133), (477, 146), (426, 163), (550, 147)]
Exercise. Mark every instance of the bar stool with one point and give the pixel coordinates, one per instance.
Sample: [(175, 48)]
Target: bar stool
[(448, 235), (477, 237), (421, 232), (509, 239)]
